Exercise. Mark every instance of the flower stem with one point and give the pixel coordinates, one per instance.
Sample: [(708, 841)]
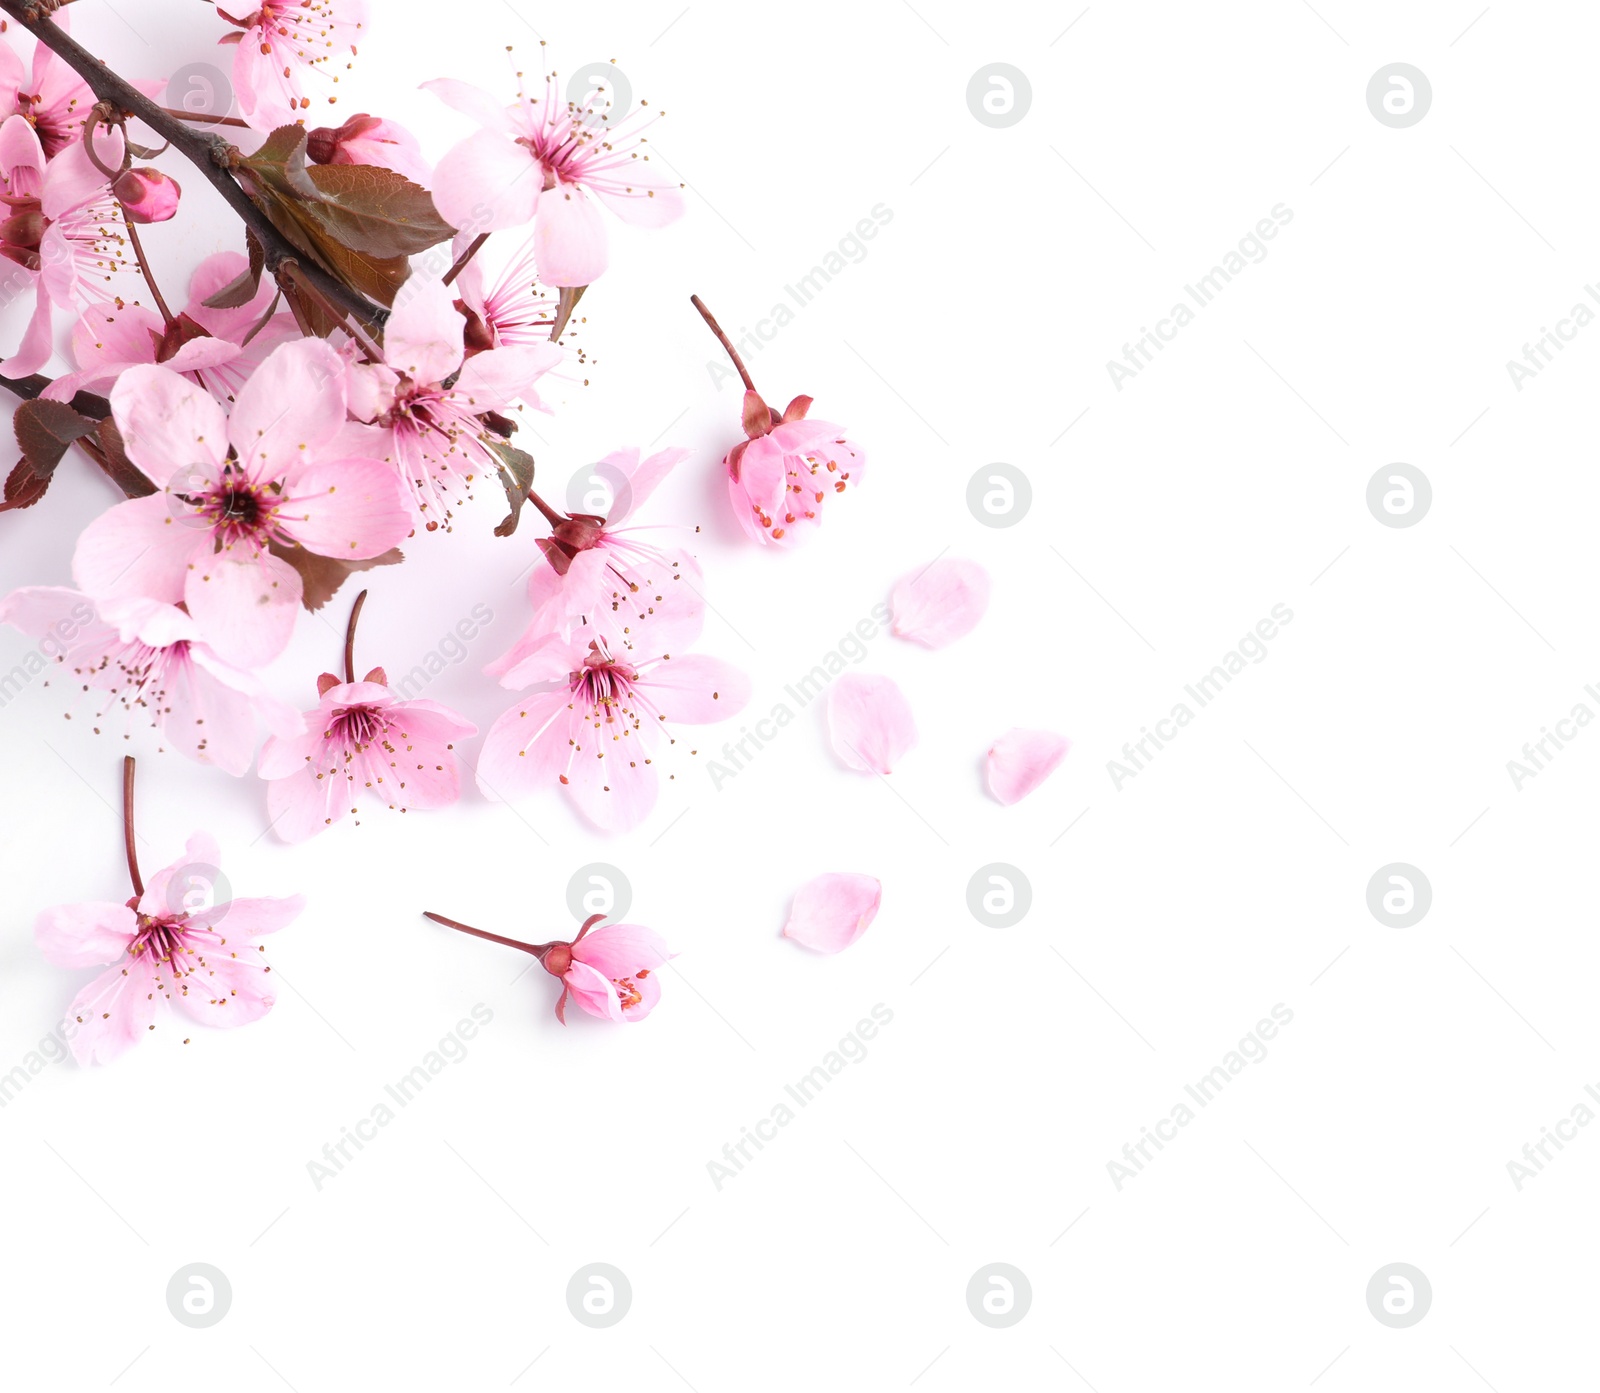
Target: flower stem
[(552, 517), (350, 638), (535, 948), (127, 826), (144, 267), (723, 339), (201, 119), (466, 256)]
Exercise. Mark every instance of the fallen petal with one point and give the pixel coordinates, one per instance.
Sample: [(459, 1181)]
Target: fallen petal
[(869, 722), (940, 603), (1020, 760), (833, 911)]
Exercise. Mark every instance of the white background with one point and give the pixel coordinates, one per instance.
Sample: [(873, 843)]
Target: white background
[(1230, 875)]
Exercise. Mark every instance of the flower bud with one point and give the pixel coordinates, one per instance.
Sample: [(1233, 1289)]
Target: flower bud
[(147, 195)]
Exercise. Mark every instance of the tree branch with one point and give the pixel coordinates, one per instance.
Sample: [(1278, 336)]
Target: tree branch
[(207, 152)]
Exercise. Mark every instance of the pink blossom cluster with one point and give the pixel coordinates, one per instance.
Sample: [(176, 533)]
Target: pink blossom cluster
[(324, 401)]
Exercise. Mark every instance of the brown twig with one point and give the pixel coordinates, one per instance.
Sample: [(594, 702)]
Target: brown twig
[(209, 153), (466, 256)]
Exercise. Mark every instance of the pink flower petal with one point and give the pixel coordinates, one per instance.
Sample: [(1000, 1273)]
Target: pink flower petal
[(869, 722), (347, 509), (621, 950), (293, 402), (593, 991), (423, 338), (569, 238), (940, 603), (1020, 760), (833, 911), (245, 605), (696, 689), (142, 547), (487, 184), (114, 1011), (85, 935)]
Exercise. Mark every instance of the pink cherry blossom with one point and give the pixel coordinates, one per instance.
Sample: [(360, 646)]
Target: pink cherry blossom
[(64, 229), (600, 573), (609, 971), (601, 713), (1020, 760), (362, 741), (547, 160), (152, 663), (869, 722), (514, 311), (779, 479), (429, 431), (231, 486), (941, 602), (110, 338), (371, 140), (833, 911), (284, 43), (782, 473), (52, 98), (173, 941)]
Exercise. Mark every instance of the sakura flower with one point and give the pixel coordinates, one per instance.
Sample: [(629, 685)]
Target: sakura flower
[(51, 98), (869, 722), (64, 229), (833, 911), (602, 711), (363, 740), (608, 971), (231, 487), (169, 943), (940, 603), (432, 433), (281, 45), (547, 160), (152, 663), (601, 574), (217, 349), (1020, 760), (370, 140), (780, 475), (513, 311)]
